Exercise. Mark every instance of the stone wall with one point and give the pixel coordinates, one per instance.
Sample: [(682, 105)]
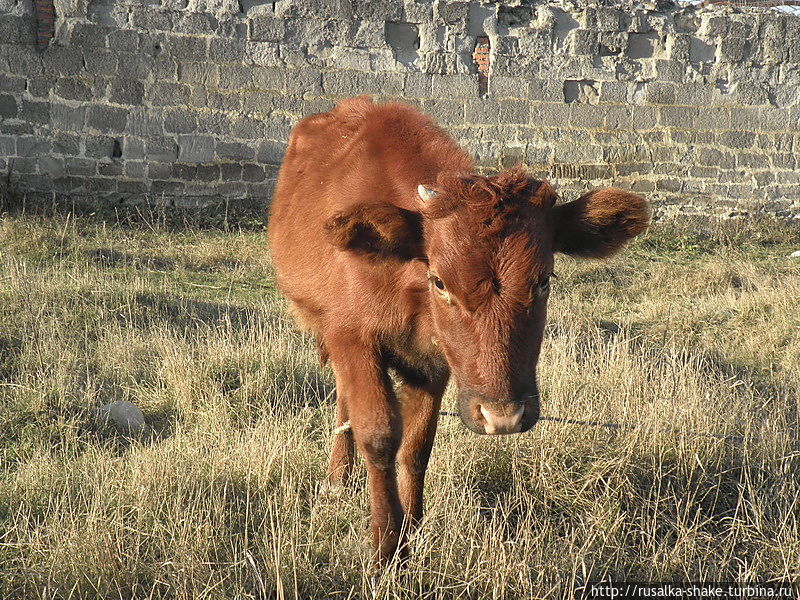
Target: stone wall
[(188, 101)]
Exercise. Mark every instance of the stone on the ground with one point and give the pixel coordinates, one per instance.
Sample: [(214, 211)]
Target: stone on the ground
[(124, 416)]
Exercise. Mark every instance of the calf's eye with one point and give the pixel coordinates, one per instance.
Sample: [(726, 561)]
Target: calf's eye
[(544, 284), (438, 283)]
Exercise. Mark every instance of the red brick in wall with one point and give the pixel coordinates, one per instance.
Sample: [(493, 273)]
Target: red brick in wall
[(482, 58), (45, 21)]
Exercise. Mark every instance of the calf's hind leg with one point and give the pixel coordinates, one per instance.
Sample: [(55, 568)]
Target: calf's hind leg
[(340, 466)]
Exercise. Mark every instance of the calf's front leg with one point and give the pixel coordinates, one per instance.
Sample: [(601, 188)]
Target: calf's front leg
[(421, 402), (376, 427)]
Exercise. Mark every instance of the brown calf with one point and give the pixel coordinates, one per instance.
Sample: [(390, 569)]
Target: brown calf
[(398, 258)]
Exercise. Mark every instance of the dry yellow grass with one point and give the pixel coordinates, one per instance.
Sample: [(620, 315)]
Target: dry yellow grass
[(221, 498)]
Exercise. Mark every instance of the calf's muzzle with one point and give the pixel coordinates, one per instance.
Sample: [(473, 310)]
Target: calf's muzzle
[(497, 417)]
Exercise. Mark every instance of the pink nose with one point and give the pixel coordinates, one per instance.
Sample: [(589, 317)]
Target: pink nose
[(501, 422)]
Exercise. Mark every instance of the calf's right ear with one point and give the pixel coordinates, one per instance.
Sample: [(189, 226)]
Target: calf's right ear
[(378, 230), (598, 224)]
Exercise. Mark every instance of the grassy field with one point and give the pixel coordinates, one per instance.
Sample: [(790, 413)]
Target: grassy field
[(695, 327)]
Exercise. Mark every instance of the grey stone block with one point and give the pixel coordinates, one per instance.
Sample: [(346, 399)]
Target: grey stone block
[(167, 188), (164, 70), (660, 93), (514, 111), (73, 89), (545, 90), (10, 83), (88, 35), (186, 47), (100, 62), (134, 169), (106, 118), (207, 173), (63, 61), (586, 116), (270, 152), (231, 171), (247, 129), (278, 127), (261, 102), (274, 78), (678, 46), (617, 118), (315, 106), (253, 172), (733, 49), (168, 94), (8, 106), (183, 171), (440, 62), (34, 112), (67, 118), (483, 111), (447, 112), (126, 91), (642, 45), (370, 34), (147, 19), (40, 87), (550, 114), (377, 10), (683, 117), (451, 12), (612, 43), (568, 152), (179, 120), (135, 66), (502, 87), (202, 73), (33, 146), (114, 168), (16, 29), (231, 101), (159, 170), (80, 166), (236, 151), (736, 139), (454, 86), (417, 85), (66, 144), (196, 148), (234, 77), (716, 158), (713, 117), (584, 42), (347, 83), (123, 40), (216, 123), (265, 28), (226, 50), (538, 155), (300, 82), (161, 149), (133, 148), (753, 94)]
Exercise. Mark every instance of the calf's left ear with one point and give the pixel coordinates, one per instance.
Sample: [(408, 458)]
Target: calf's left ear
[(599, 223), (378, 230)]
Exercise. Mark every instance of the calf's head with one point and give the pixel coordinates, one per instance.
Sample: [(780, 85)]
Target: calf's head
[(488, 245)]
